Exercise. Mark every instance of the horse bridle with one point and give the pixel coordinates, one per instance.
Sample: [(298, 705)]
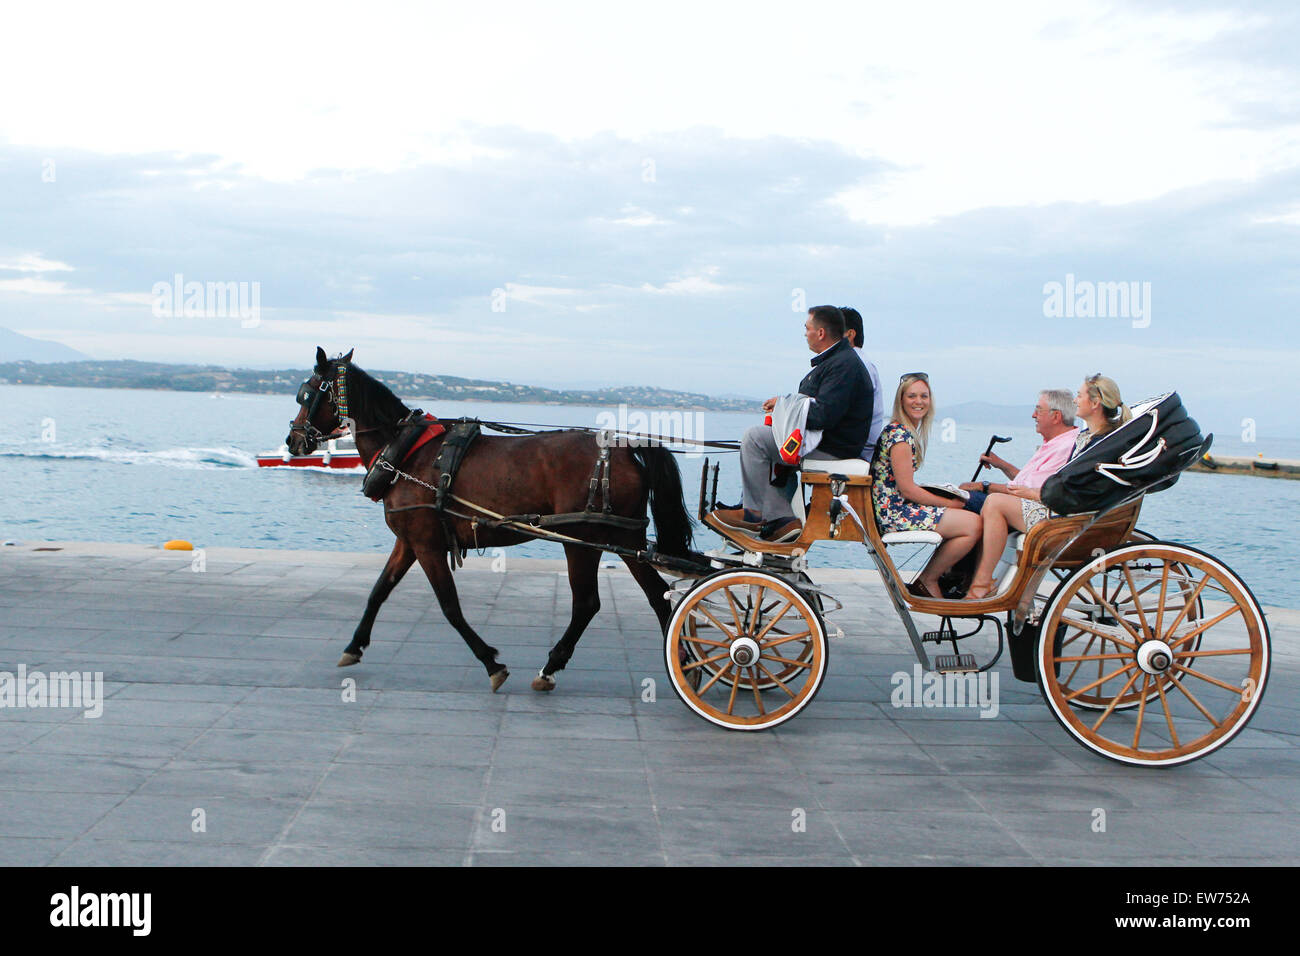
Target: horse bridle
[(311, 393)]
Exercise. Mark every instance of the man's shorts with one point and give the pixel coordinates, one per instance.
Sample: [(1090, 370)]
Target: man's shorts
[(975, 502)]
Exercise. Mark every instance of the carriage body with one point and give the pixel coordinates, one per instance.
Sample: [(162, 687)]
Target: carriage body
[(1146, 652)]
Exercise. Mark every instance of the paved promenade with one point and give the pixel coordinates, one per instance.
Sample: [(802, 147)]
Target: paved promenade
[(227, 736)]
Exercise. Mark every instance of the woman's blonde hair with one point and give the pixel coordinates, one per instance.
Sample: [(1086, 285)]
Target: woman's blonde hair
[(921, 433), (1104, 390)]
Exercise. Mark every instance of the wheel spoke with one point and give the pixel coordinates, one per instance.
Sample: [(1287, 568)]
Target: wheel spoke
[(705, 641), (1192, 697), (785, 640), (1097, 683), (1207, 678), (1205, 625), (772, 623), (1219, 653), (1137, 605), (1115, 700), (1169, 717), (708, 660), (735, 612), (1191, 603), (715, 678), (731, 701), (1092, 629), (779, 683), (716, 623), (788, 662), (1119, 618), (1142, 708), (1160, 612), (758, 698), (1094, 657)]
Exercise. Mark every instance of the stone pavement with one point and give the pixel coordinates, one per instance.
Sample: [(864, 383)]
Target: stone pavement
[(225, 738)]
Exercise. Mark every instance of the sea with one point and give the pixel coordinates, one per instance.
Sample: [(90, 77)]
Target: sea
[(144, 466)]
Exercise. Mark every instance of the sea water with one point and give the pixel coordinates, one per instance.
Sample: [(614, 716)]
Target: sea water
[(145, 466)]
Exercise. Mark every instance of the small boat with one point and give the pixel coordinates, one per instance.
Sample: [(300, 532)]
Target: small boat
[(336, 453)]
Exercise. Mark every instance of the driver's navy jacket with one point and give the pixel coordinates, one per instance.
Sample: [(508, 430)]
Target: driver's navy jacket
[(845, 399)]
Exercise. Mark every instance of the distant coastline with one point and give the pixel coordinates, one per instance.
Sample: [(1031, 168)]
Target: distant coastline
[(163, 376)]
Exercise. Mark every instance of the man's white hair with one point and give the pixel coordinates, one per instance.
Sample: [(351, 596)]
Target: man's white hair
[(1060, 400)]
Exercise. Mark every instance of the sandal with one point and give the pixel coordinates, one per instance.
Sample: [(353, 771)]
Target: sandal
[(917, 589), (986, 591)]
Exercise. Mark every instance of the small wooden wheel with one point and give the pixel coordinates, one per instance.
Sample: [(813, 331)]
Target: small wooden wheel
[(1170, 638), (756, 604), (757, 644)]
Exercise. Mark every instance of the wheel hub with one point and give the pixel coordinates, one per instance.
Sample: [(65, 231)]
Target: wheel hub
[(744, 652), (1155, 657)]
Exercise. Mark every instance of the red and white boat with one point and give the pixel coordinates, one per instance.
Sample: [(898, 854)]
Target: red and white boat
[(336, 453)]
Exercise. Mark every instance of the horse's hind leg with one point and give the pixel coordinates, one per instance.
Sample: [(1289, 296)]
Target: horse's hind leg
[(585, 585), (439, 574), (654, 587), (398, 562)]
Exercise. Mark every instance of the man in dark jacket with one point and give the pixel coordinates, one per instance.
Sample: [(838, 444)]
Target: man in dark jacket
[(843, 397)]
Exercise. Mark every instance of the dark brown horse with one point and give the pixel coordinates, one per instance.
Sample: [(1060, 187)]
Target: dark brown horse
[(545, 474)]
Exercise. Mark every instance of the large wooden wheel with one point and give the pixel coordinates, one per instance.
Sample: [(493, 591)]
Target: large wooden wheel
[(1179, 595), (746, 650), (1170, 638)]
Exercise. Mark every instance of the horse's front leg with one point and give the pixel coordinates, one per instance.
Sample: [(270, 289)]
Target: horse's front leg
[(436, 568), (398, 563)]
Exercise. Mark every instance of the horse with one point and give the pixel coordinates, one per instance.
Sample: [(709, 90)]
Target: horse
[(547, 473)]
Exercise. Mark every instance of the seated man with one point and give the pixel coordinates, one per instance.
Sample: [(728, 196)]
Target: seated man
[(841, 410), (1053, 419), (853, 332)]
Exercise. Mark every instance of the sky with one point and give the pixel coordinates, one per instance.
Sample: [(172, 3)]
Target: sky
[(603, 194)]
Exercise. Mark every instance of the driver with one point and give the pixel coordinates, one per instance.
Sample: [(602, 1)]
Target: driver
[(843, 400)]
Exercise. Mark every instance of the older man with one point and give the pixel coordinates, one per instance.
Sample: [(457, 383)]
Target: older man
[(1054, 420), (841, 389), (1014, 505)]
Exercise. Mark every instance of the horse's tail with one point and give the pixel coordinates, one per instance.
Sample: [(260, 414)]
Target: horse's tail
[(664, 481)]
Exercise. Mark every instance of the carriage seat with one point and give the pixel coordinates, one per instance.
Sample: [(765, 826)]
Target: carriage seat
[(849, 467), (912, 537)]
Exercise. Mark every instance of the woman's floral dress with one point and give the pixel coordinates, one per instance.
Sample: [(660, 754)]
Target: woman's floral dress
[(893, 511)]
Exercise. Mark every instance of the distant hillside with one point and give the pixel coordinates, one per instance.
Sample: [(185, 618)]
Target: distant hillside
[(23, 348), (408, 385)]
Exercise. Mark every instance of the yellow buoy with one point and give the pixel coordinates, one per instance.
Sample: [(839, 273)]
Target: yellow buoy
[(176, 544)]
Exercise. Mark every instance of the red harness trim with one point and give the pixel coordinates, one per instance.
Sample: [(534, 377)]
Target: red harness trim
[(431, 431)]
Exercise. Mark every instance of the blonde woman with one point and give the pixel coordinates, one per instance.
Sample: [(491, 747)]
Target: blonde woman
[(900, 503), (1099, 404)]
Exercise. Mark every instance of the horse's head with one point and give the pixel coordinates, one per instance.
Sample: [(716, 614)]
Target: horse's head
[(323, 398)]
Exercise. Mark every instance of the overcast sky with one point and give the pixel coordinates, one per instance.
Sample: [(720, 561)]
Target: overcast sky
[(599, 194)]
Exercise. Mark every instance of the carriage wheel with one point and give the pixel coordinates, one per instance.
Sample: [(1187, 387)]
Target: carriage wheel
[(744, 632), (800, 648), (1195, 666), (1125, 595)]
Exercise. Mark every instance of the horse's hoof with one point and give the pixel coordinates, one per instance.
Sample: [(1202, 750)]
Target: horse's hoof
[(543, 683), (348, 659), (497, 679)]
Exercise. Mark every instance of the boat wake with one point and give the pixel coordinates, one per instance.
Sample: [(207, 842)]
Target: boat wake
[(198, 459)]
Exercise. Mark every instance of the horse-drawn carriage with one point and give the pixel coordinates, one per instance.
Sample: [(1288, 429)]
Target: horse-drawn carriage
[(1147, 652)]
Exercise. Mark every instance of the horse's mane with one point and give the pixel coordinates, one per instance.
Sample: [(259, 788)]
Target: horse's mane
[(371, 400)]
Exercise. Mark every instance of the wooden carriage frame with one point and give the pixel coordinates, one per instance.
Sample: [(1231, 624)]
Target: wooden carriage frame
[(1147, 652)]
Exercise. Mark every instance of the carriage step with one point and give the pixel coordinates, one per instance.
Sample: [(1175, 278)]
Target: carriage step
[(955, 663), (938, 637)]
